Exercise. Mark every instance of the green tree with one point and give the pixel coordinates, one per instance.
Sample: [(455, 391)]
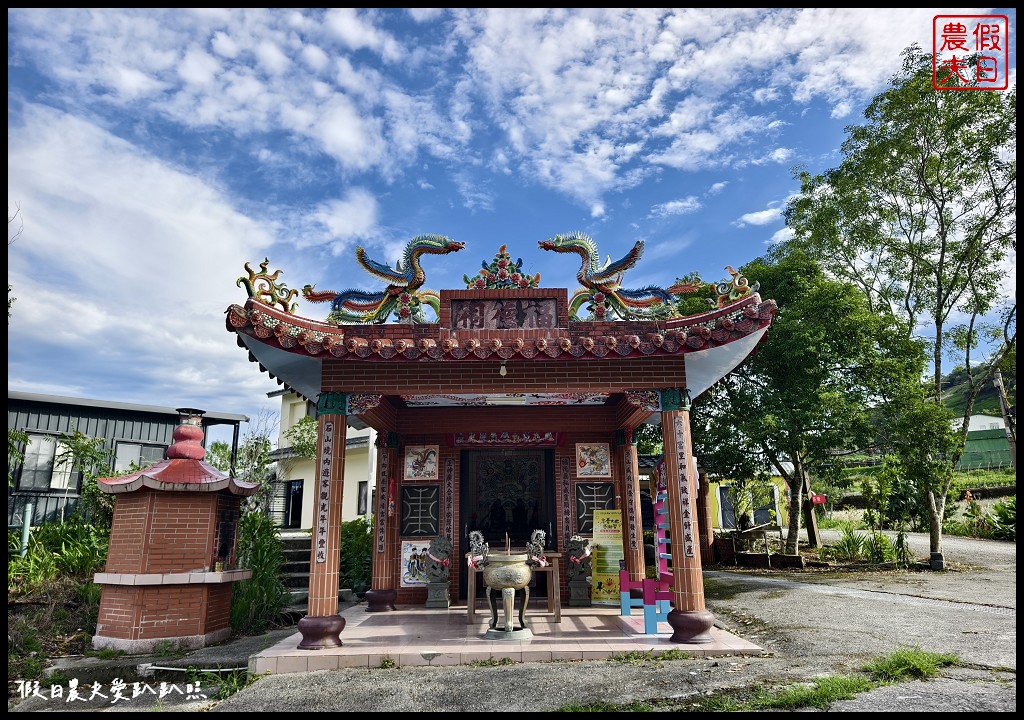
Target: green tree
[(809, 389), (921, 215), (219, 455), (254, 463), (90, 457), (16, 442), (302, 436), (257, 602), (648, 439)]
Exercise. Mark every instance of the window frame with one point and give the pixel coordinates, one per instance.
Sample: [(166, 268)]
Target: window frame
[(117, 460), (72, 479)]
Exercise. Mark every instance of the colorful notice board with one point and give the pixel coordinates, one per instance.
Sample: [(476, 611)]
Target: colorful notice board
[(607, 544)]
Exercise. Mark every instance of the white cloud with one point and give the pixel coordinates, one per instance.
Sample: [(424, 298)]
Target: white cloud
[(358, 32), (352, 217), (198, 67), (780, 236), (684, 206), (761, 217), (127, 265)]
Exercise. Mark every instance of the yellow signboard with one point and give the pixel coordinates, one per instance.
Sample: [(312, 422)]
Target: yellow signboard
[(607, 544)]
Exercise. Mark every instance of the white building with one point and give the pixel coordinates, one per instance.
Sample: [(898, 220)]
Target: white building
[(296, 476), (981, 422)]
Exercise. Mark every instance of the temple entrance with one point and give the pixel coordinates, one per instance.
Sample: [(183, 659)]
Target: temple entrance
[(506, 495)]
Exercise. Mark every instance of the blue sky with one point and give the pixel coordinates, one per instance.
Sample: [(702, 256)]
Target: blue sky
[(151, 153)]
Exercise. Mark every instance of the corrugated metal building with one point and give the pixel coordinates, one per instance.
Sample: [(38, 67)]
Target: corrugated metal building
[(132, 433)]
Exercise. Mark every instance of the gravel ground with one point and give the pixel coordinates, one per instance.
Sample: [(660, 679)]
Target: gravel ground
[(813, 624)]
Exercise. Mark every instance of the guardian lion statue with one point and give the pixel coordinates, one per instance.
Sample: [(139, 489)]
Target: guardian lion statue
[(439, 559)]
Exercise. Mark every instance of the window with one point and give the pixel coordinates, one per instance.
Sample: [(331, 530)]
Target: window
[(361, 502), (138, 454), (41, 470)]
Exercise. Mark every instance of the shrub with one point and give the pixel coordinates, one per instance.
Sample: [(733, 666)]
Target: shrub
[(1003, 519), (851, 546), (356, 554), (879, 548), (72, 549), (257, 603)]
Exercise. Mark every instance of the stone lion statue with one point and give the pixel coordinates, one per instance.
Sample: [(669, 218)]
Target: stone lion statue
[(579, 562), (439, 559)]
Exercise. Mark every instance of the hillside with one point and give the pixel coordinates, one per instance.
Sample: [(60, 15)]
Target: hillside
[(988, 399)]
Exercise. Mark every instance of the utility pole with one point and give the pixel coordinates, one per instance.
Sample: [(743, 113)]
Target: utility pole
[(1008, 419)]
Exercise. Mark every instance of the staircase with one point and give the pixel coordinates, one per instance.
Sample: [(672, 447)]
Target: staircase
[(295, 573)]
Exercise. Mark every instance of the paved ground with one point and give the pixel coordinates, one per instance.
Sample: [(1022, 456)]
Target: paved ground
[(812, 624)]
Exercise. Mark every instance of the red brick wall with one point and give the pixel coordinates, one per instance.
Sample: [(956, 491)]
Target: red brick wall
[(481, 376), (127, 550), (429, 426), (169, 611), (162, 532)]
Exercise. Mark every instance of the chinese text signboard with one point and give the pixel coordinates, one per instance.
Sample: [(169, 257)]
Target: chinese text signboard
[(970, 52), (607, 543)]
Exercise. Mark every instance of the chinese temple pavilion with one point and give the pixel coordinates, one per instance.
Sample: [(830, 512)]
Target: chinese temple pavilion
[(501, 407)]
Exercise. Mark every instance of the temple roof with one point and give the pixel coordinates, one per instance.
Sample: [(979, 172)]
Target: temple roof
[(184, 469), (178, 475), (292, 349)]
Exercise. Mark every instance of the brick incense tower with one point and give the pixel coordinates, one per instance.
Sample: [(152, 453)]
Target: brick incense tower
[(171, 561)]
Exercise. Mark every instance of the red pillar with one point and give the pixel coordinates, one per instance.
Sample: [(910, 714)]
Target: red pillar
[(322, 627), (690, 619), (383, 584), (628, 487)]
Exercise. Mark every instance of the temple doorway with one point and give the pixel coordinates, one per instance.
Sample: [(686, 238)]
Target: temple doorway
[(506, 495)]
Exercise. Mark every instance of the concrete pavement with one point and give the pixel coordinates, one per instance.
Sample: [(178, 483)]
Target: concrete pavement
[(812, 624)]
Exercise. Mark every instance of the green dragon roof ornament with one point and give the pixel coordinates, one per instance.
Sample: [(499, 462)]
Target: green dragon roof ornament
[(602, 290), (404, 296)]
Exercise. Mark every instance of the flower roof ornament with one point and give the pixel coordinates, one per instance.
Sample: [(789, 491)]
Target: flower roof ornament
[(404, 295), (263, 286), (602, 290), (729, 291), (501, 274)]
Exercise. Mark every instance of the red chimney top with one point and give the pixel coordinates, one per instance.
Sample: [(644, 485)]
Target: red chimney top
[(188, 436)]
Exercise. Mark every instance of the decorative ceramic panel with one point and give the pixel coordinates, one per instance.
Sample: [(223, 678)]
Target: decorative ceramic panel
[(593, 460), (420, 462)]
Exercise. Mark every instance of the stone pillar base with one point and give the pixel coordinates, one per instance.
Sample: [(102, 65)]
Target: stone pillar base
[(579, 593), (319, 632), (380, 600), (437, 595), (691, 626)]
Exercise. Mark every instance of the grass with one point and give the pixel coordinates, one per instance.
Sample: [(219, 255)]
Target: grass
[(639, 657), (226, 683), (493, 662), (997, 477), (908, 664), (106, 653), (903, 665)]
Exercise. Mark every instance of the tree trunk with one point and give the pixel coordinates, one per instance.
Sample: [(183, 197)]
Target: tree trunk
[(810, 517), (796, 486), (936, 507)]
